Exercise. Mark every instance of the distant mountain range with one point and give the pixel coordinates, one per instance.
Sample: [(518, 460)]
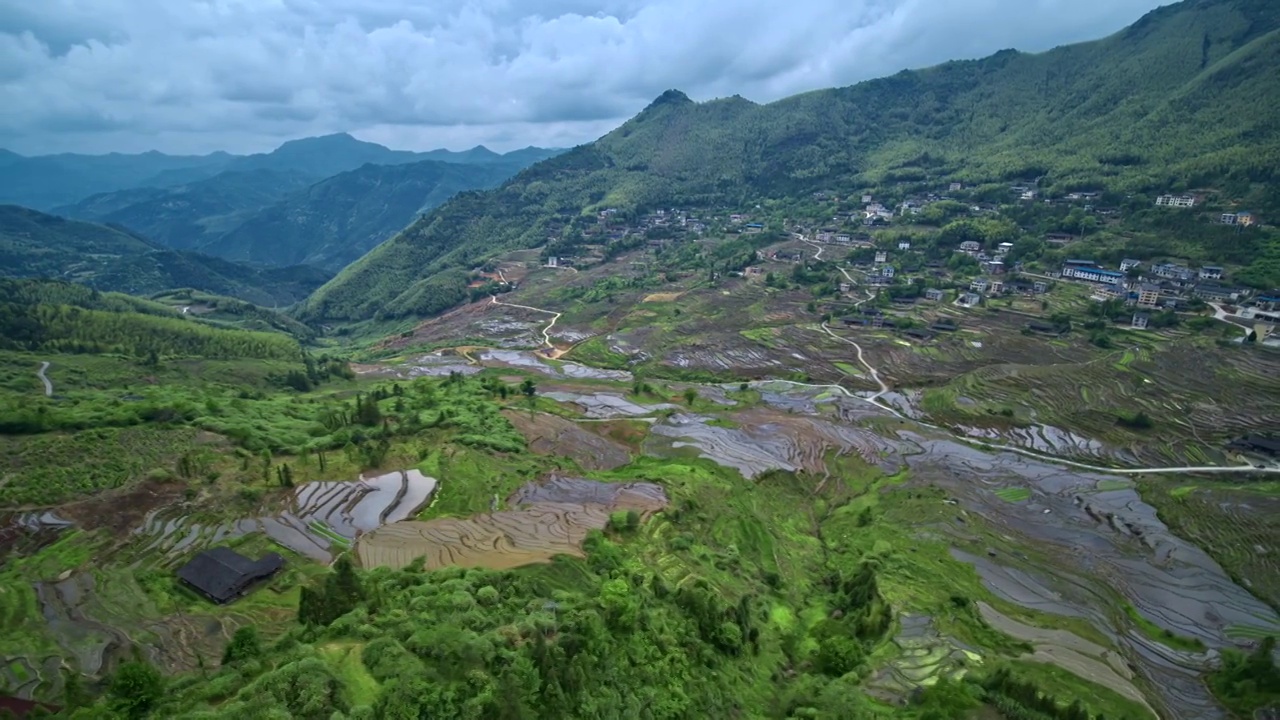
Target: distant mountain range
[(37, 245), (49, 181), (1174, 102)]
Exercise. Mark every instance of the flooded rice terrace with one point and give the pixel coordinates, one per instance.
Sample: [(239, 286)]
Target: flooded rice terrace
[(318, 520), (552, 518)]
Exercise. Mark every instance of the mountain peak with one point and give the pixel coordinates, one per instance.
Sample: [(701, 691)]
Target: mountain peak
[(671, 97)]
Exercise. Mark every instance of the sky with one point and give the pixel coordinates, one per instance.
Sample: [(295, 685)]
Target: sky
[(194, 76)]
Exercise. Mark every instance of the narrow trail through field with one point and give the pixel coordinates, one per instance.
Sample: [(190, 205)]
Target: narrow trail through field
[(546, 331), (48, 384), (818, 256), (875, 374), (185, 309), (981, 444)]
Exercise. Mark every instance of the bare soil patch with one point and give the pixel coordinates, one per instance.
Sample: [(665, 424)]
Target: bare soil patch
[(553, 435)]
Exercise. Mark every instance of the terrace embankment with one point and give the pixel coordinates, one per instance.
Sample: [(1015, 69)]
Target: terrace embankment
[(553, 518)]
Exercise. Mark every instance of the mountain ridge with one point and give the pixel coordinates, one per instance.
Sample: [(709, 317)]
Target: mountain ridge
[(38, 245), (1130, 112), (45, 182)]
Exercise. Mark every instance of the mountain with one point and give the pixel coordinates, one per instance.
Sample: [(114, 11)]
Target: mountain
[(188, 216), (47, 181), (34, 244), (1175, 101), (53, 181), (334, 222)]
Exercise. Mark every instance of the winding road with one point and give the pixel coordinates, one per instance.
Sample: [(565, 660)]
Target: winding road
[(48, 384), (546, 331), (981, 444), (818, 256)]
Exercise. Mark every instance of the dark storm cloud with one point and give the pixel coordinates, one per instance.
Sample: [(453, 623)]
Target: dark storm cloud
[(197, 75)]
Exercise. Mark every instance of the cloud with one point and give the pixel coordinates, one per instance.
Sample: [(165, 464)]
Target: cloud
[(244, 75)]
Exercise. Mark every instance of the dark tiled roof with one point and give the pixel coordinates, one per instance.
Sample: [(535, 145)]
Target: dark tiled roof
[(222, 573)]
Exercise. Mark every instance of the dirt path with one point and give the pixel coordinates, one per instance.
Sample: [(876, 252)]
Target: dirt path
[(48, 384), (818, 256), (185, 309), (875, 375), (546, 331)]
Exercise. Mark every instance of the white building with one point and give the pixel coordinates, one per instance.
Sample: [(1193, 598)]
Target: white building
[(1093, 274), (1178, 201), (882, 256)]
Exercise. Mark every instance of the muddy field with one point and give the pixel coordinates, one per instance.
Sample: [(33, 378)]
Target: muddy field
[(766, 439), (553, 519), (553, 435)]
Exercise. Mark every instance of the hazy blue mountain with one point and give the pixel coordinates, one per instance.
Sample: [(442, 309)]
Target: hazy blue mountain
[(38, 245), (188, 216), (334, 222), (53, 181)]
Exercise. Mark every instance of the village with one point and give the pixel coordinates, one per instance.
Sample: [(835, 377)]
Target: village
[(889, 258)]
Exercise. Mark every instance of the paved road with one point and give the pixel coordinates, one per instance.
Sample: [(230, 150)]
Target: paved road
[(546, 331), (48, 384)]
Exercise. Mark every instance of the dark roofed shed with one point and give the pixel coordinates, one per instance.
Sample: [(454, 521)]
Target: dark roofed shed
[(222, 574)]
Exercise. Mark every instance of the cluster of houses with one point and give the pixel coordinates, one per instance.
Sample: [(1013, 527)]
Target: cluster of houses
[(1166, 285)]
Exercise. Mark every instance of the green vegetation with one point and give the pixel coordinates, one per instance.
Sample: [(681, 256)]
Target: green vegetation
[(1195, 122), (1161, 635), (1014, 494), (33, 244), (1246, 683)]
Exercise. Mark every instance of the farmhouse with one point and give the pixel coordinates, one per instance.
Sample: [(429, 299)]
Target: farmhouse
[(918, 334), (979, 285), (1178, 201), (1148, 295), (222, 574), (1139, 321), (1210, 272), (970, 246), (1059, 239), (1256, 444), (1128, 263), (969, 299), (934, 294), (946, 326), (1086, 270)]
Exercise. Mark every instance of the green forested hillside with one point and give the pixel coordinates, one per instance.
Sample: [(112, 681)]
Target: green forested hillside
[(33, 244), (187, 216), (65, 317), (1176, 101), (334, 222)]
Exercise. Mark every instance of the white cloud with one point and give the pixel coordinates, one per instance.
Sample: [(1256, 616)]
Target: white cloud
[(199, 75)]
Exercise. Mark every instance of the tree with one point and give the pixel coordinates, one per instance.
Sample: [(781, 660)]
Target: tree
[(690, 395), (244, 645), (529, 388), (135, 688)]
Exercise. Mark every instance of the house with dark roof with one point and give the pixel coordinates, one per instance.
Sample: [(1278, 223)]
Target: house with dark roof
[(1256, 444), (919, 334), (222, 574), (946, 326)]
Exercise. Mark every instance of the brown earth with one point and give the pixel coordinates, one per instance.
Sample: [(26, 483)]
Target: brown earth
[(552, 435), (554, 519)]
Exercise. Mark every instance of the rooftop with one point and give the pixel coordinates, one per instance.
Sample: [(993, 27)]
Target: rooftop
[(222, 574)]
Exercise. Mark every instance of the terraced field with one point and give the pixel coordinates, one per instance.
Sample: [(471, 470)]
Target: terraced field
[(554, 518), (318, 520), (1239, 525)]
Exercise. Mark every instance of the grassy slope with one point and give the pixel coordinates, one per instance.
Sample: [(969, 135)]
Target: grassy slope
[(1172, 102), (34, 244)]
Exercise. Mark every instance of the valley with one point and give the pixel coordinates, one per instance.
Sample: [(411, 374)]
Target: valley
[(950, 395)]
